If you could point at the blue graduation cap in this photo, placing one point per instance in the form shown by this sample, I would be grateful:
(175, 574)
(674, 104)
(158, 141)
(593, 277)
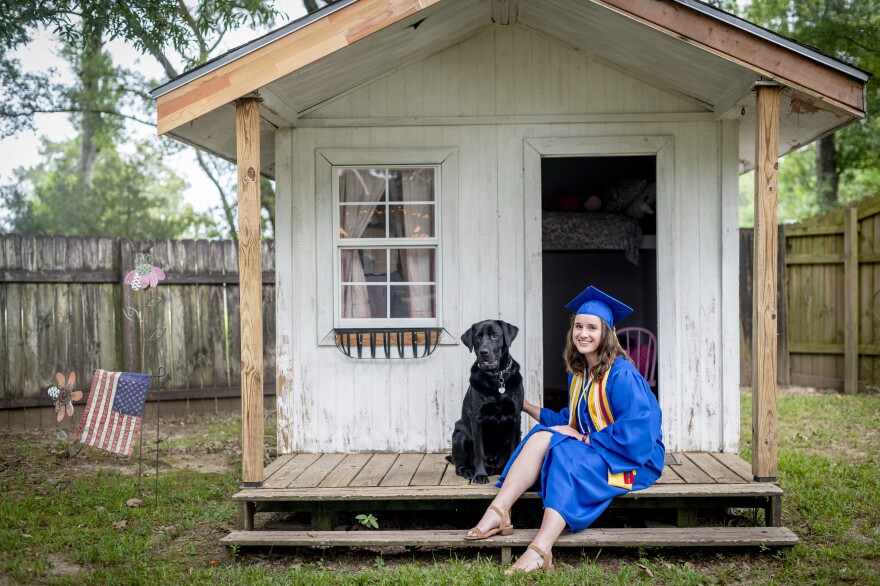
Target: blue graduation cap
(591, 301)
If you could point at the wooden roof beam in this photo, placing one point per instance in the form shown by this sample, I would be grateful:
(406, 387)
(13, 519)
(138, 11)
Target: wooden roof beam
(762, 56)
(279, 58)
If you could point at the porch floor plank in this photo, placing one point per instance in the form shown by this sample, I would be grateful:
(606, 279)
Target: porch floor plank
(430, 471)
(718, 471)
(343, 474)
(276, 465)
(450, 478)
(689, 471)
(288, 473)
(739, 466)
(650, 537)
(317, 471)
(403, 470)
(669, 476)
(374, 471)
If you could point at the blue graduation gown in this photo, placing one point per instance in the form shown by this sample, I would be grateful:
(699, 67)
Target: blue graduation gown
(574, 477)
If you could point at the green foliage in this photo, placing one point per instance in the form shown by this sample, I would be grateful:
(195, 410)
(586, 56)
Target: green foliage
(134, 196)
(848, 30)
(368, 521)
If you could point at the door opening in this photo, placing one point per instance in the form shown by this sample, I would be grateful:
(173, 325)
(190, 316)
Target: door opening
(599, 227)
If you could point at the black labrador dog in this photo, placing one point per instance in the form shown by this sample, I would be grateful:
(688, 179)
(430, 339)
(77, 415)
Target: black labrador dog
(489, 428)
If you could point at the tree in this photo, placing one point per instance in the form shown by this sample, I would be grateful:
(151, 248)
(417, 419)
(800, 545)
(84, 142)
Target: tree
(134, 196)
(848, 30)
(169, 30)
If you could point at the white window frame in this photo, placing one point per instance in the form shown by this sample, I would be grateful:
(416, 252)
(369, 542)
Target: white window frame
(328, 163)
(386, 244)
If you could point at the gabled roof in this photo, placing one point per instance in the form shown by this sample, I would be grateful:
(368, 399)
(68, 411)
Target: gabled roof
(683, 46)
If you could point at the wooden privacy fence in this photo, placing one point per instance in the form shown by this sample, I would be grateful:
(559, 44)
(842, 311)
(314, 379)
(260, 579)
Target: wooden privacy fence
(828, 306)
(61, 309)
(833, 265)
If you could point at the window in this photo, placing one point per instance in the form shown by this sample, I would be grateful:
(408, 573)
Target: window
(386, 246)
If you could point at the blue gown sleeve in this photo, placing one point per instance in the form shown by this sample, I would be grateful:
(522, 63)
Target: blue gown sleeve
(628, 443)
(549, 418)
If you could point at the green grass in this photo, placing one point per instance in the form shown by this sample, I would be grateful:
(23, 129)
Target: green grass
(67, 522)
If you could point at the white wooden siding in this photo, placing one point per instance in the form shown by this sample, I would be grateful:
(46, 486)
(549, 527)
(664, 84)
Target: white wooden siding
(328, 402)
(504, 71)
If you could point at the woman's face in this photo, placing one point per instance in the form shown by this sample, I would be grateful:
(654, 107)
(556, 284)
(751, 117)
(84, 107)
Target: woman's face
(586, 333)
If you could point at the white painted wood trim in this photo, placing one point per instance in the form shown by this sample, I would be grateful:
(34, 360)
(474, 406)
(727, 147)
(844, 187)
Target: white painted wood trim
(325, 159)
(663, 148)
(651, 117)
(284, 333)
(728, 177)
(728, 106)
(279, 112)
(534, 307)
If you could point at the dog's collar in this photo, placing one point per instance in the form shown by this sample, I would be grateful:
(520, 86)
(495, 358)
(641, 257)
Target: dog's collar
(500, 374)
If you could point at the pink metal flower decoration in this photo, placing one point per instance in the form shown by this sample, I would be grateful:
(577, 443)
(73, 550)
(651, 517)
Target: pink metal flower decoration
(144, 275)
(64, 395)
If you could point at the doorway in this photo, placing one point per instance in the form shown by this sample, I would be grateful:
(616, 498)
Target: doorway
(598, 227)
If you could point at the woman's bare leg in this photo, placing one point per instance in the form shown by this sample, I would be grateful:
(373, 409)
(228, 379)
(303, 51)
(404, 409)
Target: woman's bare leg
(522, 475)
(551, 527)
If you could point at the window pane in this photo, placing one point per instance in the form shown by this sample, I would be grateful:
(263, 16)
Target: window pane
(361, 185)
(413, 301)
(364, 265)
(364, 301)
(411, 184)
(412, 265)
(362, 221)
(412, 221)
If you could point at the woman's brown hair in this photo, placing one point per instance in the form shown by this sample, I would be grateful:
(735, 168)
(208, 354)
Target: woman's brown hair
(609, 350)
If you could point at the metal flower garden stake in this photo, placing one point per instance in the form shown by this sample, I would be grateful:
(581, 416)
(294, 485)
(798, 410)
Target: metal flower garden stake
(142, 278)
(63, 394)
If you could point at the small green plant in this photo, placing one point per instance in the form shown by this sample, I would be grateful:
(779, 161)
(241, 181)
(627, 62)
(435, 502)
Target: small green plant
(368, 521)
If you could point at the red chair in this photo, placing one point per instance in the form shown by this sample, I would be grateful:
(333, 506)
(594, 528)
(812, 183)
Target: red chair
(641, 345)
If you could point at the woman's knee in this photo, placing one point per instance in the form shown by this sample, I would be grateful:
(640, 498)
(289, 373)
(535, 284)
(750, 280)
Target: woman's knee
(540, 439)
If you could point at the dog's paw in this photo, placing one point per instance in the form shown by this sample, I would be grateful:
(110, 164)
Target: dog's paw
(465, 473)
(481, 479)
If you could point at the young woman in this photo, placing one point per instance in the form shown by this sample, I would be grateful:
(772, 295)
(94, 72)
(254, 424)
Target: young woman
(606, 443)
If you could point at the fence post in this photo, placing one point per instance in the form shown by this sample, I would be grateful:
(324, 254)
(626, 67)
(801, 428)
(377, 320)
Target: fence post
(850, 300)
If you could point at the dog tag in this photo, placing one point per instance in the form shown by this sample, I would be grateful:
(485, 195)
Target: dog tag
(501, 388)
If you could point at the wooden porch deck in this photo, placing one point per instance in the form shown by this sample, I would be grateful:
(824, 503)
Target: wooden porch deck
(325, 485)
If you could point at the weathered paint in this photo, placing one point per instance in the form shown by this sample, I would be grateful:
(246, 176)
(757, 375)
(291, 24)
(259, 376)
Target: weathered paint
(333, 403)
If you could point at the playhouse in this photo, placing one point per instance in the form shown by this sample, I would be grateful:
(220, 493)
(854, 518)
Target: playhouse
(440, 162)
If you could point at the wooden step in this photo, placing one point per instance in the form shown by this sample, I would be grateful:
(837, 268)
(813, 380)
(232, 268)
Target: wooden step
(488, 491)
(656, 537)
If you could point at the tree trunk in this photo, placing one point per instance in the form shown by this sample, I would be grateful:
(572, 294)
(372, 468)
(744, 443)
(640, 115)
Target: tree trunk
(91, 121)
(827, 176)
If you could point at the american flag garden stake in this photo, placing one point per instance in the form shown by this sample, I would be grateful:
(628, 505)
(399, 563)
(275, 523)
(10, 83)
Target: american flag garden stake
(114, 411)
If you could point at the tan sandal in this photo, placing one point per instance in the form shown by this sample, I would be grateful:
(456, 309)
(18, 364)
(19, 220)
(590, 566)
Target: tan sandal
(504, 527)
(546, 561)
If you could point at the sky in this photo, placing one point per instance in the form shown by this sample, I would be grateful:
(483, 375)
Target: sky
(22, 150)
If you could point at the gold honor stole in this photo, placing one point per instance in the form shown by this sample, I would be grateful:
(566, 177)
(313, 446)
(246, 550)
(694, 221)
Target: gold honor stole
(600, 414)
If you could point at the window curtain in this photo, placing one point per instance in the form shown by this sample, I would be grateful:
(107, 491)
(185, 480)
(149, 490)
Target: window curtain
(418, 223)
(356, 185)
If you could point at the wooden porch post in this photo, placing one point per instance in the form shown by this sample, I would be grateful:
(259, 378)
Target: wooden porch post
(764, 318)
(250, 277)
